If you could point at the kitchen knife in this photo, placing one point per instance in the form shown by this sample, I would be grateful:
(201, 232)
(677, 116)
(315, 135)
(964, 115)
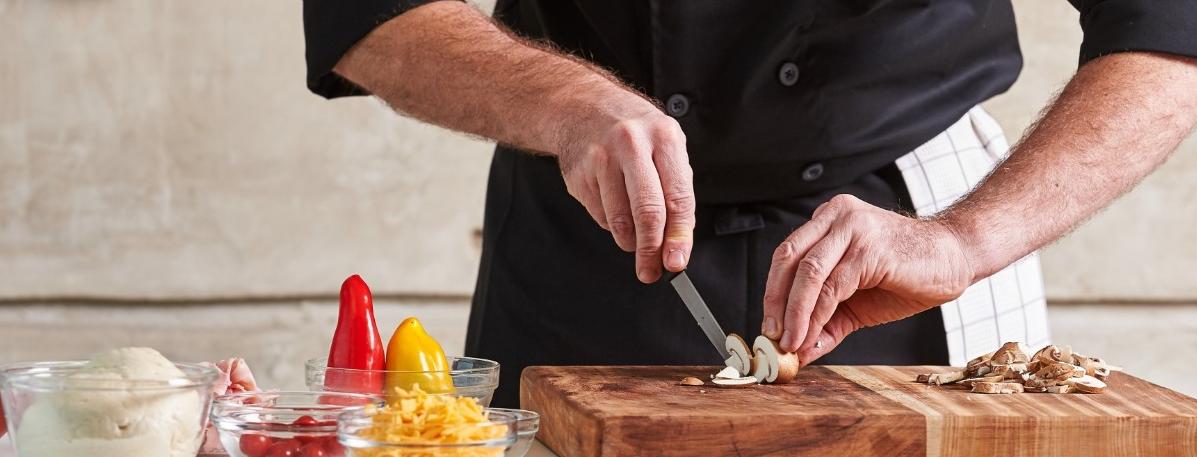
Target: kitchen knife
(698, 308)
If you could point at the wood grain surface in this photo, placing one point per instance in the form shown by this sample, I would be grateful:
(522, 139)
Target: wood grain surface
(846, 410)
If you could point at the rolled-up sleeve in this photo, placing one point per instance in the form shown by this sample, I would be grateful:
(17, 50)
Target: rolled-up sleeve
(1111, 26)
(332, 27)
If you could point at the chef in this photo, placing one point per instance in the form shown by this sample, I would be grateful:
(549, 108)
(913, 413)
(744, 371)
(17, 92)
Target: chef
(821, 169)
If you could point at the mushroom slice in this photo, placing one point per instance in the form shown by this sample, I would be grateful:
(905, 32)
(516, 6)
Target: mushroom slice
(741, 355)
(997, 388)
(1055, 370)
(1060, 389)
(990, 379)
(773, 364)
(746, 381)
(727, 373)
(1048, 354)
(1088, 384)
(940, 379)
(1009, 353)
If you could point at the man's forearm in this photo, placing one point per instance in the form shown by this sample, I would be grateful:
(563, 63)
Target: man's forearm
(1118, 119)
(622, 158)
(448, 64)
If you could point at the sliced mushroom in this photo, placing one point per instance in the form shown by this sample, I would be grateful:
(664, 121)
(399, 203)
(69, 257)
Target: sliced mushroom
(1088, 384)
(990, 379)
(741, 355)
(727, 373)
(772, 364)
(997, 388)
(1049, 353)
(746, 381)
(940, 379)
(1051, 369)
(1060, 389)
(1009, 353)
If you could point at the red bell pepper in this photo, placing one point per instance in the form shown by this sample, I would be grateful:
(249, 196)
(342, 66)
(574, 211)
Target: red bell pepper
(356, 343)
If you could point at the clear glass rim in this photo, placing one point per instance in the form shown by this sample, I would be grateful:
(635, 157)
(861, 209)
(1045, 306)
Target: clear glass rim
(227, 411)
(321, 363)
(359, 418)
(520, 414)
(38, 376)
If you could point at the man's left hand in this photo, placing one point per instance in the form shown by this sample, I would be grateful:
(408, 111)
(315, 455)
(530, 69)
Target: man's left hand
(855, 265)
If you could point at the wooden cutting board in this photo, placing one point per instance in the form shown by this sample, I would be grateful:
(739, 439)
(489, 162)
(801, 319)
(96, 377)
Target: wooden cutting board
(846, 411)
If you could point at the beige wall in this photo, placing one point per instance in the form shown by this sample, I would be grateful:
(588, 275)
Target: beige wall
(169, 150)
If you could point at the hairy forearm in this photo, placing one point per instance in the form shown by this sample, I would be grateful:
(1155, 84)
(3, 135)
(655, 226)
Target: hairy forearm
(447, 64)
(1118, 119)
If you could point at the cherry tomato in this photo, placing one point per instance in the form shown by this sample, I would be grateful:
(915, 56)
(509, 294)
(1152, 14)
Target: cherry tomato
(285, 448)
(305, 439)
(332, 448)
(306, 420)
(314, 449)
(253, 445)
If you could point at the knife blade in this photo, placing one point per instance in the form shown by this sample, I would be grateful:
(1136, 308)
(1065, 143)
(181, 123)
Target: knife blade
(701, 312)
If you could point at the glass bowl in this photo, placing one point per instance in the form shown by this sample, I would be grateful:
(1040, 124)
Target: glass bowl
(258, 424)
(472, 377)
(527, 423)
(351, 424)
(56, 408)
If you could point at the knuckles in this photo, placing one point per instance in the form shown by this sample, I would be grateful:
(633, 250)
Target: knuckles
(649, 214)
(810, 268)
(681, 204)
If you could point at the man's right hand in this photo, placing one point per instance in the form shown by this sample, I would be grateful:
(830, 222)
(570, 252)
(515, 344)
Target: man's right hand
(633, 175)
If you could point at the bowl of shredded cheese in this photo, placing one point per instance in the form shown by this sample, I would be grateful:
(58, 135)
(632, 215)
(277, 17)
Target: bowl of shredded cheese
(414, 423)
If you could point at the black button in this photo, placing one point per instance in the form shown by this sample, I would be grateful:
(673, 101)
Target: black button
(788, 74)
(677, 105)
(812, 172)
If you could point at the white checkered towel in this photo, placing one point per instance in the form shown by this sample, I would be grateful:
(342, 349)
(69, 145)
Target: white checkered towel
(1008, 306)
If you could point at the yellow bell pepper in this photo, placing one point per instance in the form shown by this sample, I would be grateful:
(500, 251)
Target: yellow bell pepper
(415, 358)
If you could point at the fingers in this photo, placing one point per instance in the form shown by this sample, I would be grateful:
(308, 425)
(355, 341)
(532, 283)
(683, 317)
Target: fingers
(673, 166)
(841, 284)
(785, 265)
(616, 209)
(648, 214)
(813, 270)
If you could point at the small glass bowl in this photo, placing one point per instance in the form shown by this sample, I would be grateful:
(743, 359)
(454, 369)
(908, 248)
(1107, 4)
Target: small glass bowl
(472, 377)
(351, 424)
(257, 424)
(527, 423)
(55, 408)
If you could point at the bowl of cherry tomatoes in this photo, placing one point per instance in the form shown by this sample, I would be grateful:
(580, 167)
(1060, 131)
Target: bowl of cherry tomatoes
(284, 424)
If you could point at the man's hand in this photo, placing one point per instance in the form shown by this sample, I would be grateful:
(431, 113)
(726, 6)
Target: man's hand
(853, 266)
(633, 176)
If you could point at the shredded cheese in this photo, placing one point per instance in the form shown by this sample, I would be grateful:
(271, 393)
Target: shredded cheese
(415, 418)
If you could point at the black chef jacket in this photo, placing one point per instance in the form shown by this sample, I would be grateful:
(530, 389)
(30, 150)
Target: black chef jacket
(784, 103)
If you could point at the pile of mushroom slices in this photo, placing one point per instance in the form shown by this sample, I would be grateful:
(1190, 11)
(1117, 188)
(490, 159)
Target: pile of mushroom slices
(1008, 370)
(764, 363)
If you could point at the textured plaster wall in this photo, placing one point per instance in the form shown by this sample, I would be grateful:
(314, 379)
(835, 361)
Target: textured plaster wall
(168, 150)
